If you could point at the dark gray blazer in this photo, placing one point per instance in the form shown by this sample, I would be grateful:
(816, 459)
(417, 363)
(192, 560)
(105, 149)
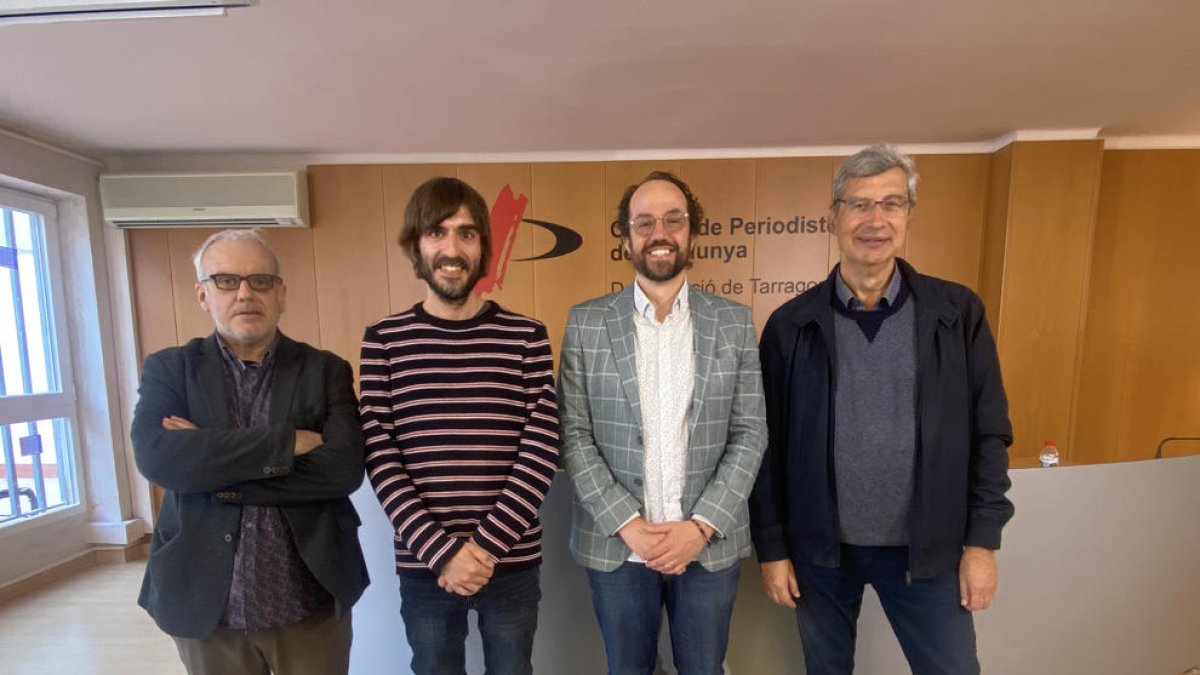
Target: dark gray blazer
(210, 472)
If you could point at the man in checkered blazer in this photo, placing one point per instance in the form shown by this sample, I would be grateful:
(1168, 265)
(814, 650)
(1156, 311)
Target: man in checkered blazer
(663, 428)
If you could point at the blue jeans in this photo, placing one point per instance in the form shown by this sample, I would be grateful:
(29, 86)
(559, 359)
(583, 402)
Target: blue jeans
(629, 602)
(936, 633)
(435, 622)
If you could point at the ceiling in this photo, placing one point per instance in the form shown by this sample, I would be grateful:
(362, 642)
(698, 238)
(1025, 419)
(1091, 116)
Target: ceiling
(530, 76)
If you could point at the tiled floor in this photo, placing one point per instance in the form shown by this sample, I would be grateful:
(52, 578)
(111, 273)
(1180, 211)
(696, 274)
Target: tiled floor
(88, 624)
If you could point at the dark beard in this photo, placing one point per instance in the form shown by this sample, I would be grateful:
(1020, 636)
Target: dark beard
(659, 272)
(451, 294)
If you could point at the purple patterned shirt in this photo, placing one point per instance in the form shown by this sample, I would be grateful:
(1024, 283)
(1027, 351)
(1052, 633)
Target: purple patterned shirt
(271, 586)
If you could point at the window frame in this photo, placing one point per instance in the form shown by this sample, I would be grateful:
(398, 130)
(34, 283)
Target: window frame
(16, 409)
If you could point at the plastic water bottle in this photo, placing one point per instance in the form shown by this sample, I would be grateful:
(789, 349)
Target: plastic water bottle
(1049, 456)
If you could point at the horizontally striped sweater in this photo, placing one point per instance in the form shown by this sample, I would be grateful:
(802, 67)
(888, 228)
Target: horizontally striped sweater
(461, 424)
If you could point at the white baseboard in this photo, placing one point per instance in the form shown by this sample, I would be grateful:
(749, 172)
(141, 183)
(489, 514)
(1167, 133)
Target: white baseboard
(117, 532)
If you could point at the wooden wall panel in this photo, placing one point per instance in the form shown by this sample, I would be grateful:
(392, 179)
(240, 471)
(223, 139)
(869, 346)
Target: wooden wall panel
(350, 255)
(347, 236)
(995, 235)
(153, 290)
(1050, 225)
(1163, 385)
(571, 195)
(1179, 447)
(190, 320)
(517, 292)
(294, 246)
(946, 233)
(1108, 334)
(1107, 384)
(399, 181)
(787, 189)
(723, 262)
(835, 255)
(1139, 375)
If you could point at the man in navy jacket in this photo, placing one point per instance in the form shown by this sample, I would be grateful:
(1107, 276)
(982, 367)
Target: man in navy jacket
(888, 431)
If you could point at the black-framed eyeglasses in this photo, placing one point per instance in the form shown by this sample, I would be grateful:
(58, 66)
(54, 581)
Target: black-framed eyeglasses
(673, 221)
(232, 282)
(861, 206)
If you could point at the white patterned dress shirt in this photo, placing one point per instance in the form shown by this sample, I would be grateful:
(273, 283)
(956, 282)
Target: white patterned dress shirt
(665, 372)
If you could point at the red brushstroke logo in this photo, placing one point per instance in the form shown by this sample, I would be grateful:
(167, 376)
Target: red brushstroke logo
(506, 216)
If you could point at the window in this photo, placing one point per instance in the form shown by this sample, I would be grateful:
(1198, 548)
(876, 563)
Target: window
(37, 397)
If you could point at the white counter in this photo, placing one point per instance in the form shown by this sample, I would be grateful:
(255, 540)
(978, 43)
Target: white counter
(1099, 575)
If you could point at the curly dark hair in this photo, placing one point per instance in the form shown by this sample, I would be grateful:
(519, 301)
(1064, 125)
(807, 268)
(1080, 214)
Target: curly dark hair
(436, 200)
(694, 210)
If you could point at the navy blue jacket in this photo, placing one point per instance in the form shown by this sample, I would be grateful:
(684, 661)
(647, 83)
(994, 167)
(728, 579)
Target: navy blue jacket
(210, 472)
(962, 428)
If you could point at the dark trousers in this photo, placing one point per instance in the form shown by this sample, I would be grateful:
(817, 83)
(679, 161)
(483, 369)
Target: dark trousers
(435, 623)
(629, 602)
(318, 644)
(935, 632)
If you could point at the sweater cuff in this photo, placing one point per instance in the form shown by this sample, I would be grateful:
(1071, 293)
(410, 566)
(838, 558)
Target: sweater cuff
(769, 545)
(438, 561)
(983, 536)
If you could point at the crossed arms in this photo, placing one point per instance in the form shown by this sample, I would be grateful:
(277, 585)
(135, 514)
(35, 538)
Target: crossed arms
(278, 464)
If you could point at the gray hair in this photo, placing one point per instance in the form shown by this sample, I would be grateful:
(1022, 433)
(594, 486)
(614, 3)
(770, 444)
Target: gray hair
(254, 235)
(873, 161)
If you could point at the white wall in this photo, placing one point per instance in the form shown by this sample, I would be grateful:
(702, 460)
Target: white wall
(1099, 575)
(107, 513)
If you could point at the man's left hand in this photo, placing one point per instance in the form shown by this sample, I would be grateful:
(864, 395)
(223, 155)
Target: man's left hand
(977, 577)
(680, 545)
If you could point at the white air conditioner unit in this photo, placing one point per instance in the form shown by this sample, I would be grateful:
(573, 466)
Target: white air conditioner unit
(266, 199)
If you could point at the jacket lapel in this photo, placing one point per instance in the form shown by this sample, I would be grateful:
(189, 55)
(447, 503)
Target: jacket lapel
(819, 310)
(704, 343)
(930, 309)
(283, 384)
(618, 320)
(210, 374)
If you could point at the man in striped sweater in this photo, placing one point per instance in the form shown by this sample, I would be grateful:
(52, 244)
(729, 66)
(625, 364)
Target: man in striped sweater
(459, 412)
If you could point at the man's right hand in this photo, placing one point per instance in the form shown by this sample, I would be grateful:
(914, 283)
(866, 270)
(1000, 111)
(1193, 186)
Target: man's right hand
(636, 537)
(779, 580)
(307, 440)
(177, 423)
(468, 571)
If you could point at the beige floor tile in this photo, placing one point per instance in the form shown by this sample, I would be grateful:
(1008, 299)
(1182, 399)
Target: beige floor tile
(88, 624)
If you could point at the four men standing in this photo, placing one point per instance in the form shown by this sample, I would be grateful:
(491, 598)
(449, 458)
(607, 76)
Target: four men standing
(663, 431)
(885, 457)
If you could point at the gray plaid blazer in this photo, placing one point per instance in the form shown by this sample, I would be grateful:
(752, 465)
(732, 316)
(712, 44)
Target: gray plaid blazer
(602, 426)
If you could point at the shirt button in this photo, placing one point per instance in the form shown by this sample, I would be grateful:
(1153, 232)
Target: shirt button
(637, 481)
(228, 537)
